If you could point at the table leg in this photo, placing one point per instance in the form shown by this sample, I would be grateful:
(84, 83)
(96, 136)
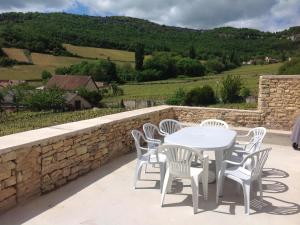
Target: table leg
(219, 159)
(219, 155)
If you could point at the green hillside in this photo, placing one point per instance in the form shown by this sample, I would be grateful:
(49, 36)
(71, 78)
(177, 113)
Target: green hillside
(46, 32)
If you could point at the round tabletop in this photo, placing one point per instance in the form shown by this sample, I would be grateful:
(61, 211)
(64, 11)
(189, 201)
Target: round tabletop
(203, 138)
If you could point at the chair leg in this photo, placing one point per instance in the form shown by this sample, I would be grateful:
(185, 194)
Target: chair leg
(260, 189)
(204, 179)
(165, 186)
(246, 190)
(162, 175)
(195, 190)
(137, 174)
(170, 182)
(220, 182)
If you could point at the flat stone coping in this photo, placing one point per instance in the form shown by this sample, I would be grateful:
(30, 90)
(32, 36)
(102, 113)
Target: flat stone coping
(281, 76)
(32, 137)
(254, 111)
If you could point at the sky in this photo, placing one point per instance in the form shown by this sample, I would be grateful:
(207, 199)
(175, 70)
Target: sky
(267, 15)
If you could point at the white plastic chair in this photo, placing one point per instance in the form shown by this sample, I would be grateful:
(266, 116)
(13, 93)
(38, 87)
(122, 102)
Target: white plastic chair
(152, 133)
(214, 123)
(243, 174)
(179, 159)
(256, 135)
(169, 126)
(151, 156)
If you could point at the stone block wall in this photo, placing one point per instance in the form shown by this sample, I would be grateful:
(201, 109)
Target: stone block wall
(31, 169)
(279, 100)
(242, 118)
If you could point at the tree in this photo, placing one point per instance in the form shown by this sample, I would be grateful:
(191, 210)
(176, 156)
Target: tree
(46, 75)
(50, 99)
(200, 96)
(192, 52)
(139, 56)
(189, 67)
(178, 98)
(93, 97)
(230, 89)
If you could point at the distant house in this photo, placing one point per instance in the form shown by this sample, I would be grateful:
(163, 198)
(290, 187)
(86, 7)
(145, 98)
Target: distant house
(76, 102)
(10, 83)
(270, 60)
(72, 82)
(101, 84)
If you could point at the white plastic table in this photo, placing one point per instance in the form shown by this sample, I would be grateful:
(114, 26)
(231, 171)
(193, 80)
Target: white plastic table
(204, 139)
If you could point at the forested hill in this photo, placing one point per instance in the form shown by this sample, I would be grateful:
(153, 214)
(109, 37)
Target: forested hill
(45, 32)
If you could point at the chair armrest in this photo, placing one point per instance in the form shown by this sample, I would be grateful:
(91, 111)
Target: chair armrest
(225, 162)
(154, 141)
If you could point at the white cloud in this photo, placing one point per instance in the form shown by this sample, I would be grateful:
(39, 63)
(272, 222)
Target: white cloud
(262, 14)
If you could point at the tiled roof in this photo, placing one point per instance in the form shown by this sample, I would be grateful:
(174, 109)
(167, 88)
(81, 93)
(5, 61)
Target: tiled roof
(68, 82)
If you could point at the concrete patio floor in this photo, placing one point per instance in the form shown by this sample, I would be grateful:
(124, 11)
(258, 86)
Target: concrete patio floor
(106, 196)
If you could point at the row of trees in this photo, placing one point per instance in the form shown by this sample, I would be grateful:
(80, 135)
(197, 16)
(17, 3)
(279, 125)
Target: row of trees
(231, 90)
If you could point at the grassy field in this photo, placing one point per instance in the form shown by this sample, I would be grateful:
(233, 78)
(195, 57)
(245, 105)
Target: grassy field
(160, 90)
(41, 62)
(101, 53)
(23, 121)
(118, 56)
(17, 54)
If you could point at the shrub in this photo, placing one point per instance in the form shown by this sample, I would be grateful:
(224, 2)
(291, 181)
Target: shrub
(291, 67)
(148, 75)
(7, 62)
(126, 73)
(46, 75)
(178, 98)
(230, 89)
(101, 70)
(162, 62)
(190, 67)
(93, 97)
(51, 99)
(245, 92)
(214, 66)
(200, 96)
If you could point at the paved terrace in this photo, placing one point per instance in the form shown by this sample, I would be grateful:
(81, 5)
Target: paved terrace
(105, 196)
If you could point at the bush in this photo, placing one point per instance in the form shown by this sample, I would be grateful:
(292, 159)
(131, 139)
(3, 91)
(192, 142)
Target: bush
(190, 67)
(200, 96)
(178, 98)
(126, 73)
(93, 97)
(291, 67)
(214, 66)
(230, 89)
(51, 99)
(245, 92)
(7, 62)
(46, 75)
(148, 75)
(162, 62)
(101, 70)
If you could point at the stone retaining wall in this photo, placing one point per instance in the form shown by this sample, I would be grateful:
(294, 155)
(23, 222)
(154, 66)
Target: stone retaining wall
(30, 169)
(279, 100)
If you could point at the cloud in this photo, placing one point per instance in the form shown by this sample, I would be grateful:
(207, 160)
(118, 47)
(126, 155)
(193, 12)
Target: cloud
(261, 14)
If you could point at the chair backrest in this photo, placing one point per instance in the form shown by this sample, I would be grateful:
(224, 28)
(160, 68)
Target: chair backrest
(257, 136)
(150, 131)
(257, 161)
(169, 126)
(214, 123)
(138, 138)
(179, 159)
